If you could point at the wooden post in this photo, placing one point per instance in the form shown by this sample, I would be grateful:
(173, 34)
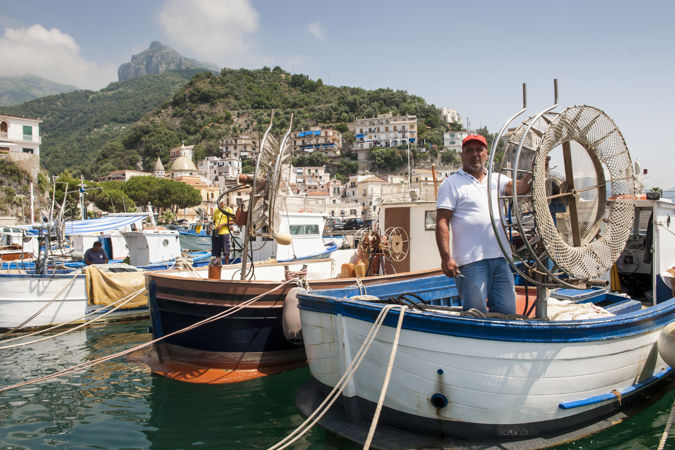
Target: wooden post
(433, 174)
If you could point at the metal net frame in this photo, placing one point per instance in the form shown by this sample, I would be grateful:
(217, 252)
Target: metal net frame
(586, 234)
(599, 226)
(270, 184)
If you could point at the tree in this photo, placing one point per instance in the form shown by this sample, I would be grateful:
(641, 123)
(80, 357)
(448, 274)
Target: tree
(111, 199)
(345, 168)
(387, 158)
(450, 157)
(162, 193)
(247, 166)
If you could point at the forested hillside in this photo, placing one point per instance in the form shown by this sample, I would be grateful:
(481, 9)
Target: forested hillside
(76, 125)
(211, 107)
(130, 124)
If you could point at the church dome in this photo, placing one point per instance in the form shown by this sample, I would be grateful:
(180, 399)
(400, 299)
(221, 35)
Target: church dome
(182, 164)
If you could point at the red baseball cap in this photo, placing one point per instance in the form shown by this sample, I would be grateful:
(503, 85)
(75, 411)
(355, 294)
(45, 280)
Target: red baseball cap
(476, 138)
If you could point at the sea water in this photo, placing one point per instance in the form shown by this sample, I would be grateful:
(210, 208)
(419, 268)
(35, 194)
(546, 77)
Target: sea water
(119, 404)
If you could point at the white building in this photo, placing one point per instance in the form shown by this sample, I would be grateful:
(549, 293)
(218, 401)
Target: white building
(219, 171)
(310, 178)
(19, 134)
(20, 142)
(383, 131)
(452, 140)
(450, 115)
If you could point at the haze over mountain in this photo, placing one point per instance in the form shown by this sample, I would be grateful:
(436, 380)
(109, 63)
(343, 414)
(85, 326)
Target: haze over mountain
(157, 59)
(19, 89)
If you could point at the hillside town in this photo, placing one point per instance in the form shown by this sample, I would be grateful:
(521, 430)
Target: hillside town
(311, 188)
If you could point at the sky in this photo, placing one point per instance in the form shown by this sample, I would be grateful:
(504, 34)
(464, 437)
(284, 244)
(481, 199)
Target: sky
(471, 56)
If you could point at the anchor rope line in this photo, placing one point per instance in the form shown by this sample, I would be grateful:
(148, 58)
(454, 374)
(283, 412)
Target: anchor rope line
(665, 228)
(92, 363)
(41, 310)
(340, 386)
(669, 422)
(116, 305)
(387, 377)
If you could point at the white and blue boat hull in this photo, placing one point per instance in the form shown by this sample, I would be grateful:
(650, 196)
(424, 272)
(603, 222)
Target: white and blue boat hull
(476, 378)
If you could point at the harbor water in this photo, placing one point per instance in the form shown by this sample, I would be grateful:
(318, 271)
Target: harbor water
(119, 404)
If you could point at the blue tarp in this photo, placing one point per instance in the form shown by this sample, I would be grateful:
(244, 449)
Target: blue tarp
(99, 224)
(309, 133)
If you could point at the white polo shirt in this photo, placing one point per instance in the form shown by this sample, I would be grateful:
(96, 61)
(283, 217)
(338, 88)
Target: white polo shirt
(473, 238)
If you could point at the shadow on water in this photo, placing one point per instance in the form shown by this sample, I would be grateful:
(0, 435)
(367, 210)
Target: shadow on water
(253, 414)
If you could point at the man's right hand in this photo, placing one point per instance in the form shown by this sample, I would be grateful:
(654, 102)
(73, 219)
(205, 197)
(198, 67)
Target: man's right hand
(450, 267)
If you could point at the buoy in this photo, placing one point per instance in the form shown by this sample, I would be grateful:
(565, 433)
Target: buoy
(360, 268)
(290, 320)
(347, 270)
(283, 239)
(666, 344)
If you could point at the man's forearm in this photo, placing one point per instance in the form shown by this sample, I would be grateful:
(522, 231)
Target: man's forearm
(443, 239)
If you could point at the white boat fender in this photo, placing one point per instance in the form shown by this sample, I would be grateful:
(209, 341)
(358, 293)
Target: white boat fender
(666, 344)
(290, 321)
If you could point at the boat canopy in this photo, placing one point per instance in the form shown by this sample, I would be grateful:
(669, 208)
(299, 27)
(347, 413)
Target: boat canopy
(99, 224)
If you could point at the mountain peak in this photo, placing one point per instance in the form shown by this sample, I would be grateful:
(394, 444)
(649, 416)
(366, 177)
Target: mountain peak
(157, 59)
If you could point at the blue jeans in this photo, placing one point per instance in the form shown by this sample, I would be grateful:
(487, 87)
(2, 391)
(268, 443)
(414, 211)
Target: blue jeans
(489, 279)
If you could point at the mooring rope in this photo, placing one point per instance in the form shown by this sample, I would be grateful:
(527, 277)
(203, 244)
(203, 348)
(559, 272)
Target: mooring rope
(123, 300)
(669, 422)
(41, 310)
(92, 363)
(334, 394)
(387, 376)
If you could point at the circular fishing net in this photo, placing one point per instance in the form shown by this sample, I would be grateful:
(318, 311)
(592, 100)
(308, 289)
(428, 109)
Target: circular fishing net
(584, 218)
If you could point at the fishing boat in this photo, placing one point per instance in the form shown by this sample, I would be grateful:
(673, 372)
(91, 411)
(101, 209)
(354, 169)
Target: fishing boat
(263, 337)
(305, 228)
(464, 378)
(48, 291)
(196, 237)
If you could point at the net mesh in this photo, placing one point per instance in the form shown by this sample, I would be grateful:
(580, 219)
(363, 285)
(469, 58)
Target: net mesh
(594, 205)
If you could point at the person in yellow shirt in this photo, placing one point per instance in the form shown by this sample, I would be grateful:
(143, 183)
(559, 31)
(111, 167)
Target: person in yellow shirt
(220, 238)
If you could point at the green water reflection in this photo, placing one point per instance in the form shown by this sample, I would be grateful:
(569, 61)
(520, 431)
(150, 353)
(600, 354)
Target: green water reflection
(119, 404)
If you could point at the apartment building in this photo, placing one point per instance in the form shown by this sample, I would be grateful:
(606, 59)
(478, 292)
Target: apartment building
(326, 141)
(219, 171)
(384, 130)
(310, 179)
(240, 147)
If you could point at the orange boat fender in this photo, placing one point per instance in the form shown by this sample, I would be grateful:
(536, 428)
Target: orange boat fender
(290, 321)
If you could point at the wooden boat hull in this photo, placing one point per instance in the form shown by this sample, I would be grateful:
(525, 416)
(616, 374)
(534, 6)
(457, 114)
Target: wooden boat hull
(250, 339)
(489, 377)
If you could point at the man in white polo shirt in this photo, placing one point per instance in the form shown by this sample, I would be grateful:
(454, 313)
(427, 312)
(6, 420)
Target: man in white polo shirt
(476, 261)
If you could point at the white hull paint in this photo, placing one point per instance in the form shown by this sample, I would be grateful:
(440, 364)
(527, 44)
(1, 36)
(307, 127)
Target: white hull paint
(486, 382)
(24, 295)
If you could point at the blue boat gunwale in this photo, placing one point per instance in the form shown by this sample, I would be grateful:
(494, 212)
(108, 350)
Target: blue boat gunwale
(589, 330)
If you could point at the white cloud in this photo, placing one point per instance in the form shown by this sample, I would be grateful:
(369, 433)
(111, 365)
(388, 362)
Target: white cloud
(50, 54)
(218, 31)
(316, 30)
